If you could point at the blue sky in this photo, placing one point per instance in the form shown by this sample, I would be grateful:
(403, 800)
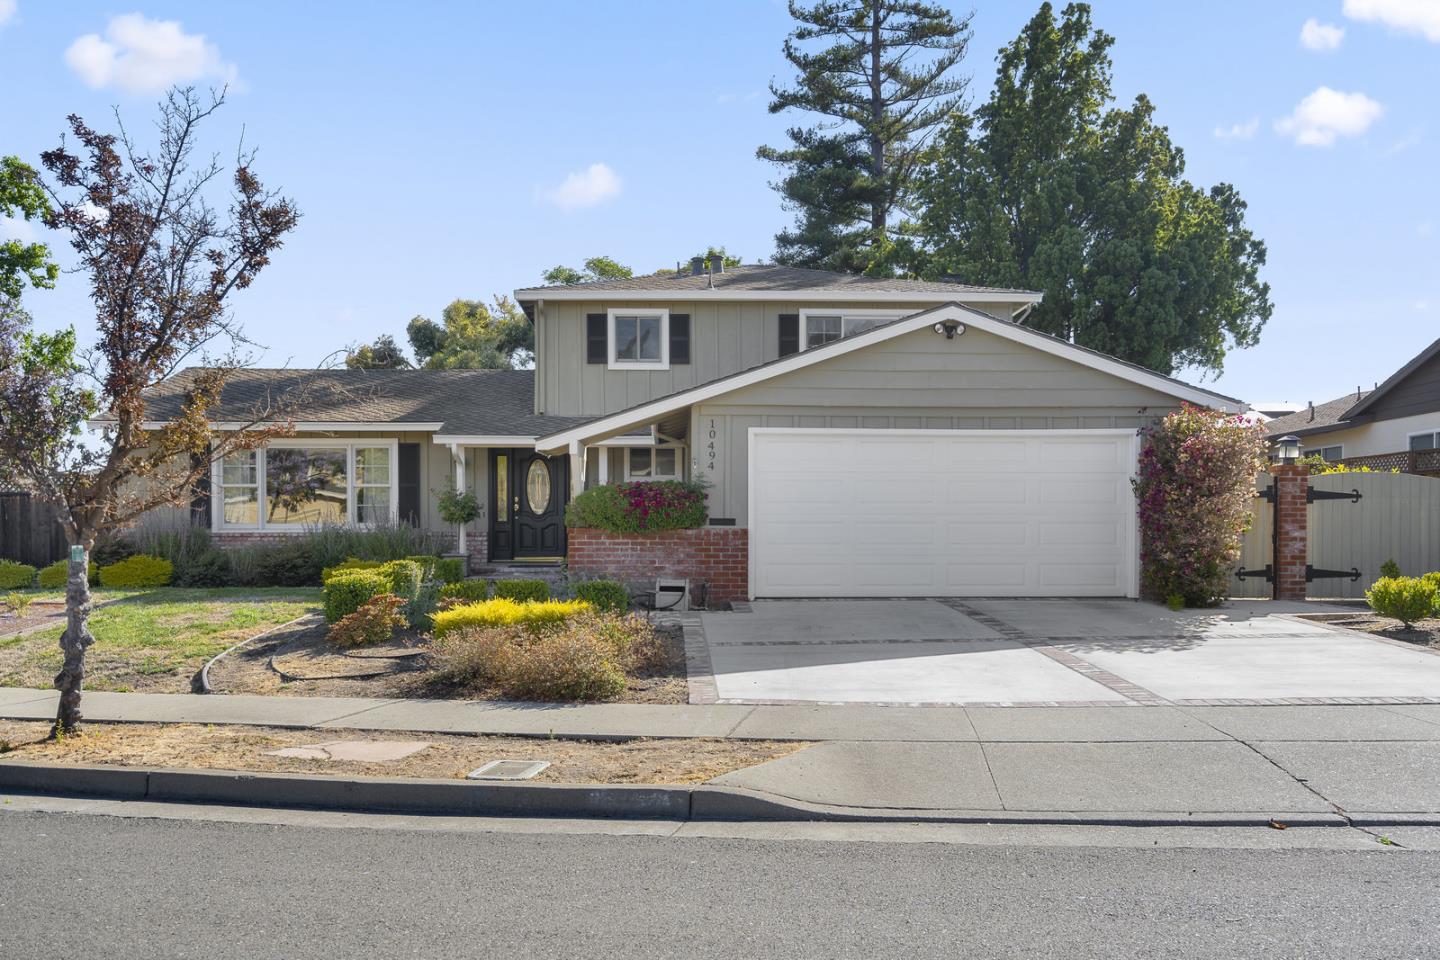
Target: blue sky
(458, 150)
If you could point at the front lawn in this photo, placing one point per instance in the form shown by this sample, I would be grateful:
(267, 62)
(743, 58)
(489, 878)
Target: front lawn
(155, 641)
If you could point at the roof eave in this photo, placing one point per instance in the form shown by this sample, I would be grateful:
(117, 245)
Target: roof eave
(1424, 356)
(788, 296)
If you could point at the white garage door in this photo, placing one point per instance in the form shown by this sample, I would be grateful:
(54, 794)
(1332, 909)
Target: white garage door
(925, 513)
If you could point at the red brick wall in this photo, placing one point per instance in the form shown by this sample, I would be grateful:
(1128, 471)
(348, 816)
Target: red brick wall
(719, 555)
(1292, 538)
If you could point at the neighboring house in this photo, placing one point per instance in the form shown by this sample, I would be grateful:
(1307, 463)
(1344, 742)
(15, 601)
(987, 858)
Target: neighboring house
(1394, 426)
(859, 436)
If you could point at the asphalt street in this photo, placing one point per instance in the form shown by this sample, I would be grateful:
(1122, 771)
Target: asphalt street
(87, 886)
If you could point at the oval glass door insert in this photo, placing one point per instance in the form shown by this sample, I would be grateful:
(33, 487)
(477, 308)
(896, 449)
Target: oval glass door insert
(537, 486)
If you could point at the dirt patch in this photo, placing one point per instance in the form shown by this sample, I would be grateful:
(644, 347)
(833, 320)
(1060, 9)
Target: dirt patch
(1425, 633)
(450, 756)
(251, 670)
(40, 614)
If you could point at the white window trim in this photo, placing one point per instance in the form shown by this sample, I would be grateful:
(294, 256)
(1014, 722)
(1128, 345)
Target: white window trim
(679, 449)
(844, 314)
(1432, 432)
(1330, 446)
(217, 487)
(663, 363)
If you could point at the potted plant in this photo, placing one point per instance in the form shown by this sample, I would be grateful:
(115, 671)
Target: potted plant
(460, 508)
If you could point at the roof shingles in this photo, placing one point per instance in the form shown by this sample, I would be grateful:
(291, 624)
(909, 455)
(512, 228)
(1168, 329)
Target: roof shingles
(765, 277)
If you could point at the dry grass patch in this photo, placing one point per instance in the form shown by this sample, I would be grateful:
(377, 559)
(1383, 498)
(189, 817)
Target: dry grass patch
(451, 756)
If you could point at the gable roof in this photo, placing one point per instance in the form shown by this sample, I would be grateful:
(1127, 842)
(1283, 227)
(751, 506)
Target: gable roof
(1322, 418)
(1395, 379)
(764, 281)
(662, 406)
(462, 403)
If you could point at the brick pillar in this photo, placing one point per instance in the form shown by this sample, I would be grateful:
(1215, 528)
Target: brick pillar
(1292, 539)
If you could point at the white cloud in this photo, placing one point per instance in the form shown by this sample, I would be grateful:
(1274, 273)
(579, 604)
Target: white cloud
(1315, 35)
(7, 11)
(1327, 115)
(585, 188)
(1239, 131)
(1411, 16)
(17, 228)
(139, 55)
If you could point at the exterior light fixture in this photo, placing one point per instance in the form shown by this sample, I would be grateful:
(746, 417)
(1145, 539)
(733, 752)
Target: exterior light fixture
(950, 328)
(1287, 449)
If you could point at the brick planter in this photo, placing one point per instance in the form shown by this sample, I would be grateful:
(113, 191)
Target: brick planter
(718, 555)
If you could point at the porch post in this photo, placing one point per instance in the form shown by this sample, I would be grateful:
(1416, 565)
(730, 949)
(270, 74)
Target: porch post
(457, 454)
(577, 469)
(604, 454)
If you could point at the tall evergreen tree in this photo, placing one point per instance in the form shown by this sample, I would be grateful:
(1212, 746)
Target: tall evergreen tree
(1049, 188)
(881, 80)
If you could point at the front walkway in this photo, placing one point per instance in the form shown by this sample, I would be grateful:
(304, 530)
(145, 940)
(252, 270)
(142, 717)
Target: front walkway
(1046, 653)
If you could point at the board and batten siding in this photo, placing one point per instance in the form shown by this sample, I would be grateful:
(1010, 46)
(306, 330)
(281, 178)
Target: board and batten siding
(725, 338)
(978, 381)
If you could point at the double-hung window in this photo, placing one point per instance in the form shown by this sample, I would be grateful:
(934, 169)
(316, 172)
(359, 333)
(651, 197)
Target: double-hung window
(296, 484)
(822, 327)
(1331, 454)
(1425, 441)
(654, 463)
(639, 339)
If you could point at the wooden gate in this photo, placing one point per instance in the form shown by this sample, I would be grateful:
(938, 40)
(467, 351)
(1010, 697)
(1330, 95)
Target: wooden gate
(1398, 517)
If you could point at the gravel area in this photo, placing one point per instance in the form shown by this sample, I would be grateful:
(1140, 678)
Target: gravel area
(448, 756)
(1425, 633)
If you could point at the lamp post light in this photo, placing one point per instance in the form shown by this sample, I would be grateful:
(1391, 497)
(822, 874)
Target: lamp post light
(1287, 449)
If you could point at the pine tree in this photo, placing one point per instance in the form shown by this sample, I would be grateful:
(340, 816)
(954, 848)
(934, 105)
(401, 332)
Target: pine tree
(882, 81)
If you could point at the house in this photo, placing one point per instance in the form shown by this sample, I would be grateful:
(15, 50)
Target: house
(1394, 426)
(859, 436)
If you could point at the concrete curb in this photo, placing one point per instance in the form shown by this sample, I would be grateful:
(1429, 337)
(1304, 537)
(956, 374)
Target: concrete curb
(578, 801)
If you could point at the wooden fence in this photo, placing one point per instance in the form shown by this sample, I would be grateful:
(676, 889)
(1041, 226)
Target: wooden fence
(29, 531)
(1398, 517)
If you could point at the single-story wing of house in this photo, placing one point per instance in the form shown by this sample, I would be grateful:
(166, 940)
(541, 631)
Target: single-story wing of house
(857, 436)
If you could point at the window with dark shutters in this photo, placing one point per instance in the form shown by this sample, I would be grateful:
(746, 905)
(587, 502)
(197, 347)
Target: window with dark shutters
(597, 348)
(789, 334)
(679, 338)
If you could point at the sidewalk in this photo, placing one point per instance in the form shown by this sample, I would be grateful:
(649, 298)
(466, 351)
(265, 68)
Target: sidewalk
(1320, 764)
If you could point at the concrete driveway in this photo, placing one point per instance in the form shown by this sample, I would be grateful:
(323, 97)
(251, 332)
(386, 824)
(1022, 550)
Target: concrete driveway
(1034, 652)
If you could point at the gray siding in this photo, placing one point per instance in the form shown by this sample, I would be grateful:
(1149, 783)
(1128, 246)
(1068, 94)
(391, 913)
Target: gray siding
(1417, 393)
(977, 382)
(725, 338)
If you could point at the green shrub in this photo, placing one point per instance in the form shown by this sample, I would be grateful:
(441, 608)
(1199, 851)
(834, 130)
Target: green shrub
(470, 591)
(404, 577)
(294, 563)
(332, 544)
(137, 572)
(55, 576)
(374, 622)
(111, 549)
(1390, 569)
(1434, 580)
(419, 611)
(503, 612)
(347, 592)
(606, 596)
(449, 569)
(210, 568)
(639, 507)
(349, 565)
(1406, 599)
(16, 576)
(522, 590)
(18, 603)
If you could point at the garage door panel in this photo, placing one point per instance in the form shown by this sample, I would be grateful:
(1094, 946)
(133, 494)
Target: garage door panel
(932, 513)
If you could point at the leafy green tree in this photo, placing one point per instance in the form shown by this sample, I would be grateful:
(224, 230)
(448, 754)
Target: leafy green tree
(1049, 188)
(881, 86)
(474, 336)
(596, 268)
(383, 354)
(23, 197)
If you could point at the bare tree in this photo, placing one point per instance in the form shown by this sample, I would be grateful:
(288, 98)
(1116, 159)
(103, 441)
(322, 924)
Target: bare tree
(162, 264)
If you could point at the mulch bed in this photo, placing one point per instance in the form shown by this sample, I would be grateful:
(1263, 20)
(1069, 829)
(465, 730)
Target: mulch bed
(448, 756)
(300, 662)
(40, 615)
(1425, 633)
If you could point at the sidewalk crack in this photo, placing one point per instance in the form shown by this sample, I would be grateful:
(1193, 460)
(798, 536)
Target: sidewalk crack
(1335, 808)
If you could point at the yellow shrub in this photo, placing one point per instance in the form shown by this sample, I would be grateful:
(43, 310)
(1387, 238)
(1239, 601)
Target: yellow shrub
(502, 612)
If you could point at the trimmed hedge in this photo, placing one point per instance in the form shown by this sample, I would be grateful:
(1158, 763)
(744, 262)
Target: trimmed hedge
(639, 507)
(607, 596)
(522, 590)
(347, 592)
(470, 590)
(136, 572)
(449, 569)
(503, 612)
(55, 576)
(349, 565)
(16, 576)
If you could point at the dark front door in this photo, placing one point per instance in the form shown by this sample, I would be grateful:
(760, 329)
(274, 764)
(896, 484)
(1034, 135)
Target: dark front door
(527, 517)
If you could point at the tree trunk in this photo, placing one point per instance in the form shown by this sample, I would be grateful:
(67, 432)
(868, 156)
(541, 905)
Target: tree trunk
(879, 206)
(73, 643)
